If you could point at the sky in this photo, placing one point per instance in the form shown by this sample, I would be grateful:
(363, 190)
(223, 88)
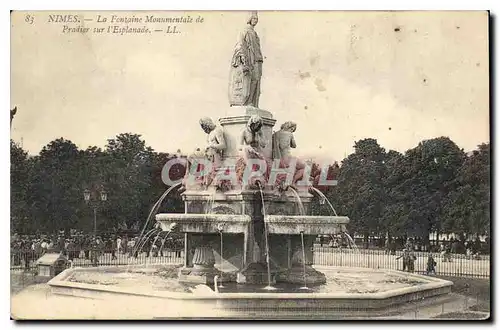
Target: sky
(398, 77)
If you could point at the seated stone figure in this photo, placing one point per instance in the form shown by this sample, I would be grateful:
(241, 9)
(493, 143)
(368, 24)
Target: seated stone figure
(214, 151)
(216, 143)
(283, 142)
(252, 144)
(194, 165)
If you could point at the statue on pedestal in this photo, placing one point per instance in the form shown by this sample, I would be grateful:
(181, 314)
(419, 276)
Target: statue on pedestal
(283, 142)
(252, 144)
(252, 139)
(216, 145)
(246, 67)
(194, 162)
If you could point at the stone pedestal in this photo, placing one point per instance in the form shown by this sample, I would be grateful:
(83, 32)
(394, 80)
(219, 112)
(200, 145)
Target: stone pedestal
(256, 273)
(235, 122)
(203, 270)
(302, 271)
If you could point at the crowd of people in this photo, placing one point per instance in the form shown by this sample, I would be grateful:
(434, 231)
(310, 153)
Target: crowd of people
(471, 248)
(28, 248)
(445, 249)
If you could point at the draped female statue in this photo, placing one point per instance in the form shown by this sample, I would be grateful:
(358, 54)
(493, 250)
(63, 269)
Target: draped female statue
(246, 67)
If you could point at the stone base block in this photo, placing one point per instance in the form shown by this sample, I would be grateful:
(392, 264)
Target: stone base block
(256, 273)
(192, 275)
(296, 276)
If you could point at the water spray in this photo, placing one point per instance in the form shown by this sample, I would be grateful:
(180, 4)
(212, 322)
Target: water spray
(220, 228)
(269, 287)
(303, 261)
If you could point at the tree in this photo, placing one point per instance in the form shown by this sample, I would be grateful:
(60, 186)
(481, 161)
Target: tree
(55, 199)
(429, 169)
(19, 187)
(395, 210)
(360, 190)
(128, 178)
(467, 208)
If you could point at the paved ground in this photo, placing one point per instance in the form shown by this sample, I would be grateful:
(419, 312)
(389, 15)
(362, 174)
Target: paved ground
(36, 301)
(479, 290)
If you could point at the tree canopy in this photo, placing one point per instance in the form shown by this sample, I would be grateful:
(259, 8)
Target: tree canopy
(434, 186)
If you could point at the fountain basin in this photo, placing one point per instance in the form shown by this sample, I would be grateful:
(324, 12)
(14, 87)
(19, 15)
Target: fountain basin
(307, 224)
(204, 223)
(352, 292)
(231, 223)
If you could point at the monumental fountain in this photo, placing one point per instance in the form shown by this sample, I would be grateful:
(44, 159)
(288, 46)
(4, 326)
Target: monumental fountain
(248, 228)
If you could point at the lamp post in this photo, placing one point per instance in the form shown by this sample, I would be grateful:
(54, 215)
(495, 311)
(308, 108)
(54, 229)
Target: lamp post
(87, 196)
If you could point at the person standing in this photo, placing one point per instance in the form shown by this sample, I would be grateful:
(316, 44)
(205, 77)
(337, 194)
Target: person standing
(405, 257)
(118, 245)
(125, 245)
(61, 244)
(37, 248)
(179, 246)
(134, 244)
(431, 265)
(87, 246)
(27, 254)
(154, 249)
(71, 250)
(44, 246)
(114, 248)
(411, 261)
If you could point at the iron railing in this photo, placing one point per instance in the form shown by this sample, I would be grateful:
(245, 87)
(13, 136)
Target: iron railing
(25, 261)
(456, 265)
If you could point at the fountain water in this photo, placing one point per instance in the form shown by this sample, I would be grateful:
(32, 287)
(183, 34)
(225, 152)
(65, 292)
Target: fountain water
(303, 261)
(154, 244)
(145, 240)
(210, 205)
(269, 287)
(164, 240)
(156, 206)
(323, 197)
(351, 242)
(299, 201)
(221, 259)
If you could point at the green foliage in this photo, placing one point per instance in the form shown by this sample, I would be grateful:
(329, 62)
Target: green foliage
(20, 167)
(429, 170)
(360, 190)
(53, 191)
(432, 187)
(47, 190)
(467, 208)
